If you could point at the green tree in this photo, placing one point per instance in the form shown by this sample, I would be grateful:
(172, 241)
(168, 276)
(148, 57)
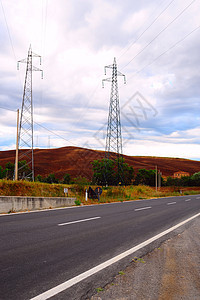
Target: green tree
(66, 178)
(146, 177)
(10, 170)
(172, 181)
(3, 172)
(128, 173)
(23, 169)
(186, 181)
(196, 179)
(39, 178)
(105, 172)
(51, 179)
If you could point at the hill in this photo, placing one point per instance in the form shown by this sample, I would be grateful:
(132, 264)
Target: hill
(77, 162)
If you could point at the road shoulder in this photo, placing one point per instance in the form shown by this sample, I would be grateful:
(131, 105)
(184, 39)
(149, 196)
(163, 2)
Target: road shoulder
(171, 271)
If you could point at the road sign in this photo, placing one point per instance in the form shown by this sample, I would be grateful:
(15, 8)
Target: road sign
(98, 190)
(66, 191)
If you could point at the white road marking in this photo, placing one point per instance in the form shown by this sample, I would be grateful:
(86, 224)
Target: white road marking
(171, 203)
(188, 200)
(147, 207)
(65, 285)
(84, 220)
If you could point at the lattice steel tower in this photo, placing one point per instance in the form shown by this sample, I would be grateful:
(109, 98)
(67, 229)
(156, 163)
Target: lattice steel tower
(113, 148)
(25, 141)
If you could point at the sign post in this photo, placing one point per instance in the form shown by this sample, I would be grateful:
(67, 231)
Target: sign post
(66, 191)
(98, 192)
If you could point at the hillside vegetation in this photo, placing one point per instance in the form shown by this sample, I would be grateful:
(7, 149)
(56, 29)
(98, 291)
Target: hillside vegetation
(78, 162)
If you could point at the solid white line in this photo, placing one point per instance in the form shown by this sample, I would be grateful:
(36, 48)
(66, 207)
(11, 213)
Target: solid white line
(188, 200)
(171, 203)
(73, 222)
(65, 285)
(142, 208)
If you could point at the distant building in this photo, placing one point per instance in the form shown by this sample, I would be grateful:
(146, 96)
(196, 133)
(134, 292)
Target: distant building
(180, 174)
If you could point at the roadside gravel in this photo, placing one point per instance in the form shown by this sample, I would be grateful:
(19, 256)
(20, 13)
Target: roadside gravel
(170, 272)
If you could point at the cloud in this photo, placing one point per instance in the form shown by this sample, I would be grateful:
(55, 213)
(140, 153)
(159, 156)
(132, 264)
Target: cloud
(77, 39)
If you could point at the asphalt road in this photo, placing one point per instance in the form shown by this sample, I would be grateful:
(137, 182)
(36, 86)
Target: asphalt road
(41, 250)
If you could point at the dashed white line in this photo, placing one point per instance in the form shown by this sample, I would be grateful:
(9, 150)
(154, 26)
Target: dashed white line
(170, 203)
(187, 200)
(147, 207)
(67, 284)
(78, 221)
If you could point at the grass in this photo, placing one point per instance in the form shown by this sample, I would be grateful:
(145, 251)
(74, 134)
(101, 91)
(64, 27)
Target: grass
(136, 259)
(99, 289)
(121, 273)
(109, 194)
(31, 189)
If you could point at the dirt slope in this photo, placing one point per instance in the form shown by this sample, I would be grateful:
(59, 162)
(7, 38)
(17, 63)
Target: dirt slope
(77, 162)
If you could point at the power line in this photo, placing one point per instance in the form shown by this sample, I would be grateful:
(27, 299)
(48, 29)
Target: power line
(159, 33)
(133, 43)
(42, 127)
(8, 109)
(173, 46)
(8, 30)
(54, 133)
(94, 91)
(11, 43)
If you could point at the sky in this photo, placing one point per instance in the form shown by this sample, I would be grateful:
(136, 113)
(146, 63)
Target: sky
(156, 45)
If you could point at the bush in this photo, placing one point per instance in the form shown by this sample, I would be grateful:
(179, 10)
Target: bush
(77, 202)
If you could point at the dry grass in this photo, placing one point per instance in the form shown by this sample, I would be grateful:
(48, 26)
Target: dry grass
(109, 194)
(34, 189)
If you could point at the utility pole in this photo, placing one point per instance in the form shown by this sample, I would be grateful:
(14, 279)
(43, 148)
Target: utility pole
(160, 177)
(156, 179)
(113, 150)
(17, 141)
(25, 142)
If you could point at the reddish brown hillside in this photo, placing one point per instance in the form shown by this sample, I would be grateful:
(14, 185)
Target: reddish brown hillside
(77, 162)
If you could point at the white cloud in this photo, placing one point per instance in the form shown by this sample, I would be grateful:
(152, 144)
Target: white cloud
(77, 39)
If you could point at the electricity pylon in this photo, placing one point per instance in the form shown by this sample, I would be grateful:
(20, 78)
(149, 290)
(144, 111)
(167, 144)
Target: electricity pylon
(113, 150)
(25, 135)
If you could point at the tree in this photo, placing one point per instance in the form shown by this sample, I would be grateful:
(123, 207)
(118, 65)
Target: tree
(10, 170)
(196, 179)
(66, 178)
(146, 177)
(186, 181)
(51, 179)
(172, 181)
(23, 169)
(128, 173)
(39, 178)
(2, 172)
(105, 172)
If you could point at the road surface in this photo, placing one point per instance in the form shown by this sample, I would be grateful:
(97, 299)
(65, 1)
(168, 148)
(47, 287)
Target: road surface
(41, 250)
